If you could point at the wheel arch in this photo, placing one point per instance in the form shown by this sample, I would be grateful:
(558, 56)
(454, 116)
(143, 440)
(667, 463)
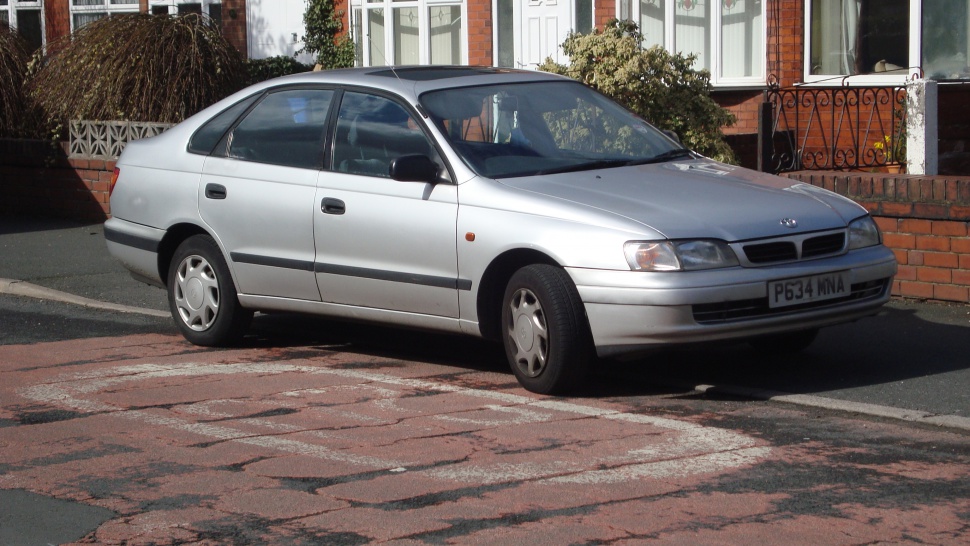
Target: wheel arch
(493, 283)
(174, 236)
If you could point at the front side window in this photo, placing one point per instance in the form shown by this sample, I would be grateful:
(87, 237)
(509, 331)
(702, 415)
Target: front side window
(285, 128)
(726, 36)
(409, 32)
(372, 131)
(542, 128)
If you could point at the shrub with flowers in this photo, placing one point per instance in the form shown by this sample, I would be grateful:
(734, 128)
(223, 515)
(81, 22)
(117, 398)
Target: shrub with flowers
(893, 150)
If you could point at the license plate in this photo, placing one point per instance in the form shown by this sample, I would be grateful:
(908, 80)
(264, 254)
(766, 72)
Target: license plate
(808, 289)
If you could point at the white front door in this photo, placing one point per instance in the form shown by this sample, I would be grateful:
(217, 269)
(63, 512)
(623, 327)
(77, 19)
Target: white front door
(540, 31)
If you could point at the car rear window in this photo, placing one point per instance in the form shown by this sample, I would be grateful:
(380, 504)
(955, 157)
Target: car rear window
(206, 137)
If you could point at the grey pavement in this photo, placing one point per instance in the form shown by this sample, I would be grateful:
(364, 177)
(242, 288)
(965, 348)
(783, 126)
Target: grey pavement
(911, 362)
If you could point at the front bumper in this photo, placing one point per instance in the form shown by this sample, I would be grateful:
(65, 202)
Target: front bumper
(632, 311)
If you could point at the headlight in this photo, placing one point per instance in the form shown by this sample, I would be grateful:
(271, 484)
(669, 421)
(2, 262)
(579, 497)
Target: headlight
(678, 255)
(863, 232)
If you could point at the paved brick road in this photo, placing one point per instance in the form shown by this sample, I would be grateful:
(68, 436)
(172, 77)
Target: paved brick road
(300, 445)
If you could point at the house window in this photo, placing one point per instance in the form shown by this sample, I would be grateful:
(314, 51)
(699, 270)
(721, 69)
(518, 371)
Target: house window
(26, 17)
(727, 36)
(887, 40)
(945, 52)
(212, 8)
(402, 32)
(89, 11)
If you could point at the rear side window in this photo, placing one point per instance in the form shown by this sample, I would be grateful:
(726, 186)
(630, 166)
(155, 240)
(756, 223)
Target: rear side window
(285, 128)
(207, 136)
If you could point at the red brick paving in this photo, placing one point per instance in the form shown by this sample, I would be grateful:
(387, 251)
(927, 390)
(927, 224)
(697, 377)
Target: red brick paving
(194, 446)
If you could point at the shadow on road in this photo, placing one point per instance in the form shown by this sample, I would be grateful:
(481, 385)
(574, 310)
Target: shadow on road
(908, 350)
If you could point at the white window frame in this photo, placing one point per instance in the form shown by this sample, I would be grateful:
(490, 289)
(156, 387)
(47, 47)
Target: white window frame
(105, 7)
(173, 5)
(14, 5)
(630, 10)
(360, 17)
(877, 79)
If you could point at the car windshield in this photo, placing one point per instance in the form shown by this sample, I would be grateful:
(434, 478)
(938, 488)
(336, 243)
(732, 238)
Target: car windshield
(528, 129)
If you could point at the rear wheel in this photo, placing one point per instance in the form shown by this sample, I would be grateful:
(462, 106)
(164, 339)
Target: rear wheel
(202, 296)
(545, 331)
(784, 344)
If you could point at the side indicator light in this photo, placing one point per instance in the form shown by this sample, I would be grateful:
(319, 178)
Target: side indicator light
(470, 237)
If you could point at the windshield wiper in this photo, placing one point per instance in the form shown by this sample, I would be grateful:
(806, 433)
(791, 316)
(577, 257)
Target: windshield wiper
(587, 166)
(666, 156)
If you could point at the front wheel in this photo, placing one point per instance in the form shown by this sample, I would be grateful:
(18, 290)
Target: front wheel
(545, 330)
(202, 296)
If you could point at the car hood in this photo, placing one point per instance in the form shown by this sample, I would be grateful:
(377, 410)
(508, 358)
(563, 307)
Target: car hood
(700, 199)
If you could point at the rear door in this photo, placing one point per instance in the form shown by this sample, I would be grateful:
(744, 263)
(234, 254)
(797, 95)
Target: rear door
(258, 192)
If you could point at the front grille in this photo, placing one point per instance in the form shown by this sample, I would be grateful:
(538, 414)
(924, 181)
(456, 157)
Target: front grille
(792, 248)
(825, 244)
(716, 313)
(766, 253)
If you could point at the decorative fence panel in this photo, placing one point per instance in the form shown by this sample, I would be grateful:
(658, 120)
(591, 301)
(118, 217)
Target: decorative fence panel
(833, 128)
(106, 139)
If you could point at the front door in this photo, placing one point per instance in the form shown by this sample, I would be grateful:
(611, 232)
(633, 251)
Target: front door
(383, 243)
(540, 31)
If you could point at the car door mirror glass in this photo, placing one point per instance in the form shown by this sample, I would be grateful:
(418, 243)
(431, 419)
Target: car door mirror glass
(414, 168)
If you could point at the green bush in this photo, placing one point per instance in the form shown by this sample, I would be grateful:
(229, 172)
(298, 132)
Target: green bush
(273, 67)
(323, 39)
(660, 86)
(13, 69)
(138, 67)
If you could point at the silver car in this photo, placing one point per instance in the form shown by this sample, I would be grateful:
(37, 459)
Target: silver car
(512, 205)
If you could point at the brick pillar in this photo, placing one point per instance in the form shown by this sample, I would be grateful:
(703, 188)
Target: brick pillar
(234, 25)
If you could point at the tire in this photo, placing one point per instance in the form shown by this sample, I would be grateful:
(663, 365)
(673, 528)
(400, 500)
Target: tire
(784, 344)
(545, 330)
(202, 296)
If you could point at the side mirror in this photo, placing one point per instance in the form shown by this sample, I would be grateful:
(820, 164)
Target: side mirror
(414, 168)
(671, 135)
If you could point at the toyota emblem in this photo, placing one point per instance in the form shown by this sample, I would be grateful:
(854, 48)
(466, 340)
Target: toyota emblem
(789, 223)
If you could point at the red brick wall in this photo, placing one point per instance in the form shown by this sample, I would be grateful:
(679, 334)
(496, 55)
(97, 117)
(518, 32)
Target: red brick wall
(925, 221)
(234, 24)
(480, 32)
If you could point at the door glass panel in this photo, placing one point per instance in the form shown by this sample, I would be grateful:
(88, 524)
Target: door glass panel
(286, 128)
(372, 131)
(653, 20)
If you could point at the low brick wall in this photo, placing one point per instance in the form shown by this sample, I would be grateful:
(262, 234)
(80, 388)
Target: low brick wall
(924, 220)
(36, 177)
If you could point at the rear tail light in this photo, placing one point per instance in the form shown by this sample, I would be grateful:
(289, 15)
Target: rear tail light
(114, 180)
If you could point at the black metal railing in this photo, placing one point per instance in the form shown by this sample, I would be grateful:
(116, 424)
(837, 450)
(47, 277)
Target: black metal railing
(832, 128)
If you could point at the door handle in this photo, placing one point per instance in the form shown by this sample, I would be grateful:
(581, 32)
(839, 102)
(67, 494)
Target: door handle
(333, 206)
(215, 191)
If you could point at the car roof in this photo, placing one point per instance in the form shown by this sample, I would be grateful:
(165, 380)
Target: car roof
(415, 80)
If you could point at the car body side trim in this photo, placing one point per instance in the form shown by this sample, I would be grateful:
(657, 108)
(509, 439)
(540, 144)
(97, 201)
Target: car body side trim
(285, 263)
(128, 239)
(394, 276)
